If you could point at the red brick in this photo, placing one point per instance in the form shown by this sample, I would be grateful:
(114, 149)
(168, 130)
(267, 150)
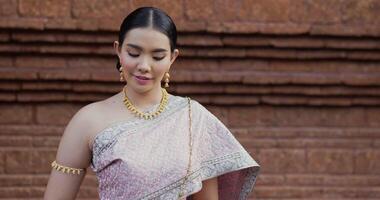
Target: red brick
(4, 97)
(226, 10)
(199, 40)
(64, 75)
(15, 180)
(191, 26)
(45, 141)
(2, 162)
(35, 130)
(323, 143)
(265, 10)
(345, 30)
(103, 76)
(18, 161)
(316, 11)
(199, 10)
(288, 192)
(41, 160)
(195, 64)
(259, 143)
(57, 114)
(331, 180)
(376, 143)
(367, 161)
(299, 42)
(352, 44)
(47, 8)
(271, 53)
(270, 179)
(6, 61)
(40, 96)
(86, 97)
(41, 37)
(360, 55)
(231, 40)
(8, 8)
(21, 141)
(62, 23)
(100, 9)
(284, 28)
(38, 86)
(13, 113)
(92, 63)
(22, 192)
(173, 8)
(38, 62)
(360, 12)
(282, 160)
(18, 75)
(103, 24)
(98, 87)
(330, 161)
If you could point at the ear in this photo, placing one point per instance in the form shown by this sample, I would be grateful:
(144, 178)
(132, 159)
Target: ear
(174, 55)
(116, 48)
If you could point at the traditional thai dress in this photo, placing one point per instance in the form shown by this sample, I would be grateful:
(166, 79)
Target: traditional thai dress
(148, 159)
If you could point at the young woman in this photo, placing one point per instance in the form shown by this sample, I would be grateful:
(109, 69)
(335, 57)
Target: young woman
(144, 143)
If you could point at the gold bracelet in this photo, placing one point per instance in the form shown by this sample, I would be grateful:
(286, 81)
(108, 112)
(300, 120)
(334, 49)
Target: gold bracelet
(65, 169)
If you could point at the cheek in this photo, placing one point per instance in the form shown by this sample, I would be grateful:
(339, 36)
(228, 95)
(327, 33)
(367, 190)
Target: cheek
(127, 64)
(162, 67)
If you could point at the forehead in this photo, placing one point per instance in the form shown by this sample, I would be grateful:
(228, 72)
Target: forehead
(147, 38)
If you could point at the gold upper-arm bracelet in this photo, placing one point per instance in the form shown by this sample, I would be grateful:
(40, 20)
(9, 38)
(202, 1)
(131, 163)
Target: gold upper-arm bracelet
(65, 169)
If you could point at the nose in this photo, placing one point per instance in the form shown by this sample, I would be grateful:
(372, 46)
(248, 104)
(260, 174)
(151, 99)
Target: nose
(144, 65)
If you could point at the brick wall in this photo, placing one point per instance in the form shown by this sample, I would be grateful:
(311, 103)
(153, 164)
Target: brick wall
(297, 81)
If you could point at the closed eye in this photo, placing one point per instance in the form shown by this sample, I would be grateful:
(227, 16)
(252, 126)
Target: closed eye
(133, 55)
(159, 58)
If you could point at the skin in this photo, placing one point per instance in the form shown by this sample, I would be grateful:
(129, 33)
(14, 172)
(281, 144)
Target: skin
(145, 52)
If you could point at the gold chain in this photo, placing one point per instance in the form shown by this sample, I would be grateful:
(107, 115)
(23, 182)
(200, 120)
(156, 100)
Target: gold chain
(65, 169)
(181, 193)
(134, 110)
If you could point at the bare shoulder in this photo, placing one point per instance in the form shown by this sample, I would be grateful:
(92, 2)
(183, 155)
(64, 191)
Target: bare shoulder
(84, 122)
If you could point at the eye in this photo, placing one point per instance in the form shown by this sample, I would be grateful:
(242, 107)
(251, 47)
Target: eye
(159, 58)
(133, 55)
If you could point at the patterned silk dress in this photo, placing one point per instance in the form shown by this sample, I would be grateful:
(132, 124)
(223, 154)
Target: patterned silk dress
(148, 159)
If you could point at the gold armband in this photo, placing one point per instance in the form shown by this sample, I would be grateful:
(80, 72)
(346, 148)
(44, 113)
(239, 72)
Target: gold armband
(65, 169)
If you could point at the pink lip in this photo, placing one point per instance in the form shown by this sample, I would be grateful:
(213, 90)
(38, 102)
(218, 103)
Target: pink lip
(143, 77)
(141, 81)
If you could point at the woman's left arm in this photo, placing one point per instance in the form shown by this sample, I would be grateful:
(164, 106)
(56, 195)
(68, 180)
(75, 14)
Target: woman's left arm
(209, 190)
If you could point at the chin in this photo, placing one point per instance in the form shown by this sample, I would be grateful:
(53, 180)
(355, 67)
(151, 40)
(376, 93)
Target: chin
(142, 89)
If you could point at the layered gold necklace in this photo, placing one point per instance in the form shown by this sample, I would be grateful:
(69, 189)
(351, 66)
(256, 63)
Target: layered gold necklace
(134, 110)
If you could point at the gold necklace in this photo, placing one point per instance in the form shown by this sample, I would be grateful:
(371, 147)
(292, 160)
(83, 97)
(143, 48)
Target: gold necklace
(134, 110)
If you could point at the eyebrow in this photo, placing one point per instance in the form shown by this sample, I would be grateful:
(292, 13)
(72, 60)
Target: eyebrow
(141, 49)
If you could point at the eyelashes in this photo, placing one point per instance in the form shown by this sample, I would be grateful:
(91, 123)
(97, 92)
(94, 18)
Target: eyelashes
(137, 55)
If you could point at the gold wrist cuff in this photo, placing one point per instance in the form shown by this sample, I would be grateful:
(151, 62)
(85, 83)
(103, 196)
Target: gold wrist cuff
(65, 169)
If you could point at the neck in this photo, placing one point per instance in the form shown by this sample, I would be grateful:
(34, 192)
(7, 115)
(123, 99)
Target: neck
(143, 100)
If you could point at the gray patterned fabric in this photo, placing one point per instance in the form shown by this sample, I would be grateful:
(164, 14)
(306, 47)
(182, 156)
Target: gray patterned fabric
(147, 159)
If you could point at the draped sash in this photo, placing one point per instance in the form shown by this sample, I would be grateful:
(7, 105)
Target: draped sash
(148, 159)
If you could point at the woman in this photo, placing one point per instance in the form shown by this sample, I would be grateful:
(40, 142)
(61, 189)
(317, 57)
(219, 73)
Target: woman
(144, 143)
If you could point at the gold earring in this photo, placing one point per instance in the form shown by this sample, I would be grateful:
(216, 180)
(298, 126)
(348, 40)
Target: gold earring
(121, 74)
(167, 76)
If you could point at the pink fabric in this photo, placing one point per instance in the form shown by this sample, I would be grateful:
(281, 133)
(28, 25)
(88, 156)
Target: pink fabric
(147, 159)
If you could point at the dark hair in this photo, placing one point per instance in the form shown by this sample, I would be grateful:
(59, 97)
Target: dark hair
(149, 17)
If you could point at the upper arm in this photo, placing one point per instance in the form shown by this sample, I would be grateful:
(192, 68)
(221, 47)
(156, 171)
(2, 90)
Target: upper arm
(73, 152)
(209, 190)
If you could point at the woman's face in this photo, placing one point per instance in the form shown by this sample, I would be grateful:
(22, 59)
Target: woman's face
(145, 52)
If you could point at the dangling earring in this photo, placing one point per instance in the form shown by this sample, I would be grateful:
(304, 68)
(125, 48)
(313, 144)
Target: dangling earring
(121, 74)
(167, 76)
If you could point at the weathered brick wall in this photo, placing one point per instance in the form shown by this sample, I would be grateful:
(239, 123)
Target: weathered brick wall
(297, 81)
